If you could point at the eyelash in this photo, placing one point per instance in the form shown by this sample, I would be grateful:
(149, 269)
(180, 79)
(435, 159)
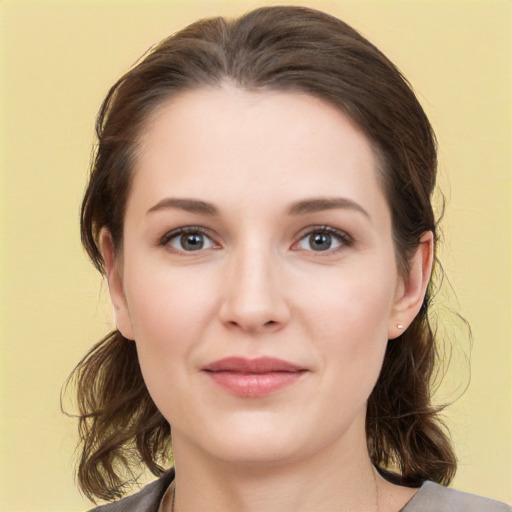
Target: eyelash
(192, 230)
(344, 239)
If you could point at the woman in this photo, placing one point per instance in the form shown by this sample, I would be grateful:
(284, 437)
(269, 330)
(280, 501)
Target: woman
(260, 205)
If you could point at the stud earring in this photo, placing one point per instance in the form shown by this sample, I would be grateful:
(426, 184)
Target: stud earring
(399, 326)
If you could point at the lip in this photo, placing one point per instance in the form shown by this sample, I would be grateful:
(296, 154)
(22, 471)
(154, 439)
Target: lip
(253, 378)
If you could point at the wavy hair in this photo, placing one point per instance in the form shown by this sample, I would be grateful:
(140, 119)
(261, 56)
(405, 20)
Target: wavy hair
(272, 48)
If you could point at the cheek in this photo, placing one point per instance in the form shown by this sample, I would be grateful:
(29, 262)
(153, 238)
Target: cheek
(169, 312)
(355, 306)
(166, 303)
(348, 318)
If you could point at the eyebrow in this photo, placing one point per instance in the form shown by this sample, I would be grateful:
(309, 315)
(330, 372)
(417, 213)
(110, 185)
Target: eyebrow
(318, 204)
(302, 207)
(188, 205)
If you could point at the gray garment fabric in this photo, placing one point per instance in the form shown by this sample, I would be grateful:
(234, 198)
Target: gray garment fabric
(433, 497)
(430, 497)
(146, 500)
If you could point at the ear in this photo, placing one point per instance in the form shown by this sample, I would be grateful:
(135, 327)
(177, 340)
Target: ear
(412, 289)
(115, 285)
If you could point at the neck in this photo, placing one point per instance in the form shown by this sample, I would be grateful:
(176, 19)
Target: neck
(339, 478)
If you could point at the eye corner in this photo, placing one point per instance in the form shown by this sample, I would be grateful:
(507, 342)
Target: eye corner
(326, 235)
(175, 241)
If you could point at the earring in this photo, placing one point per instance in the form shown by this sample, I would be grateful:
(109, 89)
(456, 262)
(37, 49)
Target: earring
(399, 326)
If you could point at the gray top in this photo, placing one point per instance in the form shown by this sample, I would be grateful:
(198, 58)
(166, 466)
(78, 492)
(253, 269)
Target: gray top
(433, 497)
(430, 497)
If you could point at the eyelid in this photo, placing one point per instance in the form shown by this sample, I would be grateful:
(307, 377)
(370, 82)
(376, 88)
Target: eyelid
(184, 230)
(345, 239)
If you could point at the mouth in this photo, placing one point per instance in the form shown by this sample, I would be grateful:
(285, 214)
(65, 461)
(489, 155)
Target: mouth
(253, 378)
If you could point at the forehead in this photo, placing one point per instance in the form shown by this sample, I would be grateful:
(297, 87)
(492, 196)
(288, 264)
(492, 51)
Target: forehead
(240, 113)
(226, 140)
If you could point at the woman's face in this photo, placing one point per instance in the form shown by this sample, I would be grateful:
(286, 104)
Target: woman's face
(257, 275)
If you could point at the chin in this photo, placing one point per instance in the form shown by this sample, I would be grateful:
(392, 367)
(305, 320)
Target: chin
(257, 454)
(251, 440)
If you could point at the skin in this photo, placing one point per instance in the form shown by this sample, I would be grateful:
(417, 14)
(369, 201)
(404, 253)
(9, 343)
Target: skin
(258, 287)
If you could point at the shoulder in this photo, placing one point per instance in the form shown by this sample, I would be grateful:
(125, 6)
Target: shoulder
(432, 497)
(146, 500)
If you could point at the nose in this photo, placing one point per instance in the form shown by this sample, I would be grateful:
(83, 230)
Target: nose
(253, 298)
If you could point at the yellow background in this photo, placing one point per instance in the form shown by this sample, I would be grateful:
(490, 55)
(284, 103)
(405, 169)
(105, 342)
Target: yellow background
(57, 61)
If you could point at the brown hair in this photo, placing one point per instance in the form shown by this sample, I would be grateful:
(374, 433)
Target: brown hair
(276, 48)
